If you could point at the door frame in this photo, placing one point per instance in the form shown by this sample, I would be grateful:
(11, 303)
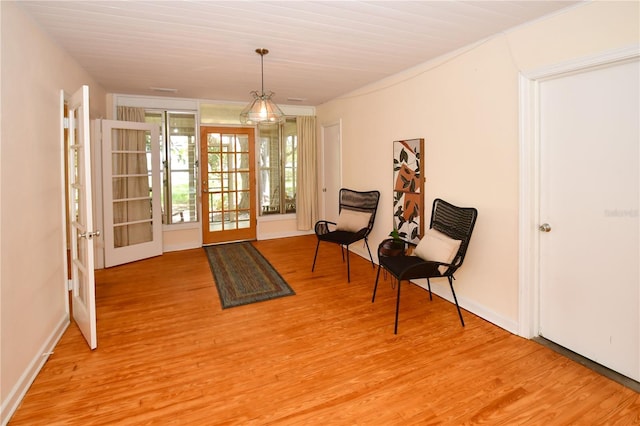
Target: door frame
(530, 174)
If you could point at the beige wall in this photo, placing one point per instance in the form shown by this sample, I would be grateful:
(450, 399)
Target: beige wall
(465, 106)
(33, 305)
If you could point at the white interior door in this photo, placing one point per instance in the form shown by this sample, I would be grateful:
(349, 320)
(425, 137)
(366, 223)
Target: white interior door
(82, 232)
(131, 191)
(589, 196)
(331, 170)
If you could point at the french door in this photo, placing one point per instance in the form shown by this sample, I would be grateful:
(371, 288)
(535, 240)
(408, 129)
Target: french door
(131, 191)
(228, 184)
(81, 231)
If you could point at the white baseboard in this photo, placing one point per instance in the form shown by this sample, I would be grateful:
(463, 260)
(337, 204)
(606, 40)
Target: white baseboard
(178, 247)
(271, 236)
(440, 287)
(11, 403)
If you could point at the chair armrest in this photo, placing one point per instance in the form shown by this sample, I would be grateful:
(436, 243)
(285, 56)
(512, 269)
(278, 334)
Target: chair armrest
(322, 227)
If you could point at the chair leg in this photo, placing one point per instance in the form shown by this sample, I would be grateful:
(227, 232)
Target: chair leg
(375, 287)
(373, 265)
(348, 267)
(429, 286)
(315, 256)
(395, 330)
(455, 300)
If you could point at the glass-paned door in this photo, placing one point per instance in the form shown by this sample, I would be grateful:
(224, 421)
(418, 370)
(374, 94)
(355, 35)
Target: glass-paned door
(131, 191)
(179, 165)
(278, 162)
(228, 182)
(82, 233)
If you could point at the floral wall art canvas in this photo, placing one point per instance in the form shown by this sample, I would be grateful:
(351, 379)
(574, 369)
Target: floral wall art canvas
(408, 192)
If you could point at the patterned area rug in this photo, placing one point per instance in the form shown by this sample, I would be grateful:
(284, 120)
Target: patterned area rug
(243, 275)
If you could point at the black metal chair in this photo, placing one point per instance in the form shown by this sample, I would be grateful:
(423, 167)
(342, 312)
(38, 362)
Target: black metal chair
(357, 215)
(450, 226)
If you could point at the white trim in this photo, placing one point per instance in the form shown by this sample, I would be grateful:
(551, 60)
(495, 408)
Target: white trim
(441, 289)
(180, 247)
(154, 102)
(162, 102)
(17, 393)
(529, 203)
(63, 196)
(575, 65)
(528, 207)
(277, 217)
(274, 235)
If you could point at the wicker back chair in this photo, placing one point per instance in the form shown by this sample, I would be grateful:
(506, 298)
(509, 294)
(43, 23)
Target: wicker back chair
(357, 216)
(452, 225)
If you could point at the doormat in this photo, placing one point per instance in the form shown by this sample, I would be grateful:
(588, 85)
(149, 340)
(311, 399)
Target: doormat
(243, 275)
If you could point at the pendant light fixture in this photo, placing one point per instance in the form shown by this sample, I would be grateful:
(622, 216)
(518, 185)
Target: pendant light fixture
(262, 109)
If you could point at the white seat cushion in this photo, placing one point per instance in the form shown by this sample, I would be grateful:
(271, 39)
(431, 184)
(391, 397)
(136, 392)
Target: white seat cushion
(437, 247)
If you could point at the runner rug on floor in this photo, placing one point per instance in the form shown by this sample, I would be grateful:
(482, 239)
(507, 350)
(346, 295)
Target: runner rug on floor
(243, 275)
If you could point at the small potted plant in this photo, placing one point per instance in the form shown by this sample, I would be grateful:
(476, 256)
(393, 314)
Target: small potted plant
(393, 247)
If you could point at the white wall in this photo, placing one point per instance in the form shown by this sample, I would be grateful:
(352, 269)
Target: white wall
(465, 106)
(33, 302)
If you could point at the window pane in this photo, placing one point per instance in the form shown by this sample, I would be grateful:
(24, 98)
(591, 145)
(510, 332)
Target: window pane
(243, 180)
(215, 182)
(213, 142)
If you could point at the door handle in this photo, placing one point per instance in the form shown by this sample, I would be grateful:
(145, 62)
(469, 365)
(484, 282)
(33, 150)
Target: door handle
(545, 227)
(89, 235)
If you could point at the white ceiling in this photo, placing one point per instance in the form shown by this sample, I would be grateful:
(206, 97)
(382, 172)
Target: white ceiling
(319, 50)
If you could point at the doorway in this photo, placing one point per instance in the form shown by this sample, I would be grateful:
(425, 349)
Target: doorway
(228, 184)
(331, 169)
(580, 284)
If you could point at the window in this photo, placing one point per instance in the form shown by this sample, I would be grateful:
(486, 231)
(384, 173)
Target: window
(277, 167)
(179, 163)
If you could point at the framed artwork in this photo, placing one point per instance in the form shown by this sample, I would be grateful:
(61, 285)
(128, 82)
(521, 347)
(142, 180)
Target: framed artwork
(408, 192)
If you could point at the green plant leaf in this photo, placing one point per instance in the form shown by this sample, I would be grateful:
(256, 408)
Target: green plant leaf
(404, 156)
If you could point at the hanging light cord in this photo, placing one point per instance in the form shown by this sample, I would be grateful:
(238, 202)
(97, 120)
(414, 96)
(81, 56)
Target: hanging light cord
(262, 52)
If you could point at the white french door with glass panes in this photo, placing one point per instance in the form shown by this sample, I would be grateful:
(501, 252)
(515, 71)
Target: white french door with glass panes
(131, 191)
(179, 165)
(81, 232)
(278, 162)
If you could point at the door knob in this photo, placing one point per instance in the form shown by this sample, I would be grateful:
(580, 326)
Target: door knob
(545, 227)
(89, 235)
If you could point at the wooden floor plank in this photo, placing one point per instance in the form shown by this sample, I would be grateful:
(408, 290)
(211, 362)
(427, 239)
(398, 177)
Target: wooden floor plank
(168, 354)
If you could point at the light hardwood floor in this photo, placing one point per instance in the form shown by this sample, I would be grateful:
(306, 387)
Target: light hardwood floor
(168, 354)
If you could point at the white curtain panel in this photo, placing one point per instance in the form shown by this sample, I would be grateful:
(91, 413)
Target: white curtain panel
(132, 202)
(307, 173)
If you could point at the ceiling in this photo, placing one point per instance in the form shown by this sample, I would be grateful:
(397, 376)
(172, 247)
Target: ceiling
(319, 50)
